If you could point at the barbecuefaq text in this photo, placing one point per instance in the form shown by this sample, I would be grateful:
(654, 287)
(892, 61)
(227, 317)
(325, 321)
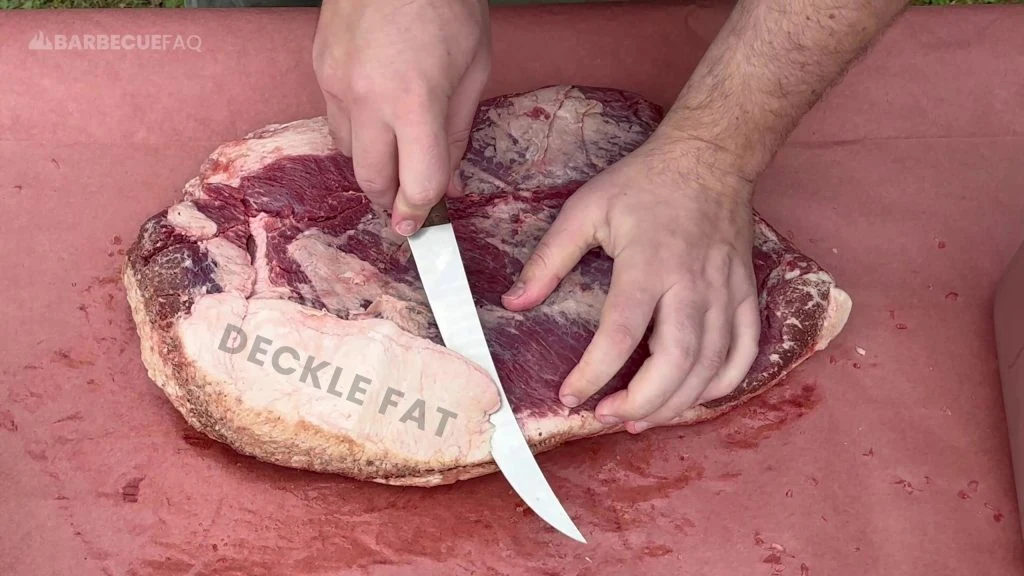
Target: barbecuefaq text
(393, 402)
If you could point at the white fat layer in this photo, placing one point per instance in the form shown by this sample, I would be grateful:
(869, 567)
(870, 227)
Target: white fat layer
(376, 350)
(262, 287)
(343, 281)
(233, 161)
(235, 272)
(188, 220)
(839, 306)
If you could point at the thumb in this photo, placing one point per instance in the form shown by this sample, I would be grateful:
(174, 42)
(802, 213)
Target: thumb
(569, 238)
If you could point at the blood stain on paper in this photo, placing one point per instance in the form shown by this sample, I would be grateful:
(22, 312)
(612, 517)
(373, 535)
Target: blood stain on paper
(656, 550)
(748, 425)
(7, 421)
(997, 516)
(908, 487)
(69, 418)
(776, 556)
(62, 356)
(130, 489)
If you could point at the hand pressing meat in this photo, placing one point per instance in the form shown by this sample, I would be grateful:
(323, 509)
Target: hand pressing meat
(681, 239)
(402, 81)
(676, 213)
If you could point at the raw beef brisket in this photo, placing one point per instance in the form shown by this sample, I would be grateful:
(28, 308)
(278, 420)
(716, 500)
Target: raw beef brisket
(280, 317)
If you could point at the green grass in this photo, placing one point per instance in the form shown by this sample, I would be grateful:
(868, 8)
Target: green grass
(42, 4)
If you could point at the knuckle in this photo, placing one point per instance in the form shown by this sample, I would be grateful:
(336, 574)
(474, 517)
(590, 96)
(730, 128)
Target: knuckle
(621, 336)
(680, 340)
(331, 73)
(373, 185)
(414, 98)
(543, 257)
(366, 87)
(713, 359)
(717, 267)
(423, 196)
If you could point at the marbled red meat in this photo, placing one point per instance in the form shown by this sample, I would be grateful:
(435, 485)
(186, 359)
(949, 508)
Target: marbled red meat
(275, 237)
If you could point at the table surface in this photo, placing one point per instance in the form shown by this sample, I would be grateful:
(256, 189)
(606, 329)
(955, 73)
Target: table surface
(906, 183)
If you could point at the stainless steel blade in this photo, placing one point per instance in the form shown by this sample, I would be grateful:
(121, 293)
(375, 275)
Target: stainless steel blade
(444, 279)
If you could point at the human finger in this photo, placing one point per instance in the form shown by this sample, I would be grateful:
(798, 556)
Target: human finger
(570, 236)
(374, 158)
(624, 320)
(714, 348)
(743, 351)
(423, 167)
(674, 345)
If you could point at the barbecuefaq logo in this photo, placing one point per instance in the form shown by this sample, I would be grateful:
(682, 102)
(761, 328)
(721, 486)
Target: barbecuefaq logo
(311, 372)
(129, 42)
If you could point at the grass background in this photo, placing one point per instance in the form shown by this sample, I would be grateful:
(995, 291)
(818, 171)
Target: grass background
(43, 4)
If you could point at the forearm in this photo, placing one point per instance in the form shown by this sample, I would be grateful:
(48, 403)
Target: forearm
(769, 65)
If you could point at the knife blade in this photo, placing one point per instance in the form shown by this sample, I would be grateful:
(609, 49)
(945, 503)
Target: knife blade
(439, 262)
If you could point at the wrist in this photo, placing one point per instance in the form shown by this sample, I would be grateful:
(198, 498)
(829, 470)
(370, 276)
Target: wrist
(702, 163)
(737, 142)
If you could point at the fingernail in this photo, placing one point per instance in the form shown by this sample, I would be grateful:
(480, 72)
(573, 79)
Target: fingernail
(406, 228)
(516, 291)
(639, 427)
(570, 401)
(606, 419)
